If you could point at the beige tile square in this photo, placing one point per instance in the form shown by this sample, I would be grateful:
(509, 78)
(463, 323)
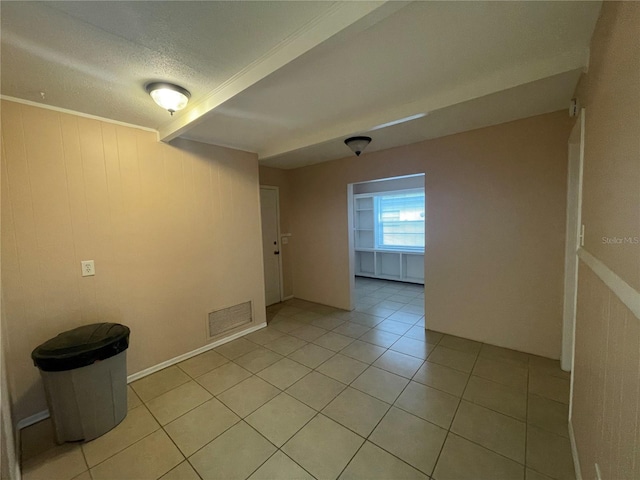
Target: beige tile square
(428, 403)
(83, 476)
(311, 355)
(223, 378)
(236, 348)
(178, 401)
(133, 400)
(333, 341)
(410, 438)
(279, 419)
(264, 335)
(198, 427)
(352, 329)
(380, 338)
(61, 462)
(283, 325)
(323, 447)
(151, 457)
(442, 378)
(413, 347)
(381, 384)
(184, 471)
(378, 312)
(414, 307)
(258, 359)
(285, 344)
(390, 304)
(328, 323)
(284, 373)
(398, 363)
(461, 344)
(137, 424)
(549, 453)
(546, 366)
(373, 463)
(548, 415)
(341, 368)
(306, 316)
(533, 475)
(38, 438)
(357, 411)
(497, 397)
(308, 332)
(233, 455)
(504, 355)
(420, 333)
(396, 328)
(248, 396)
(492, 430)
(316, 390)
(203, 363)
(453, 358)
(508, 374)
(553, 388)
(368, 318)
(363, 351)
(279, 466)
(403, 316)
(289, 311)
(160, 382)
(462, 460)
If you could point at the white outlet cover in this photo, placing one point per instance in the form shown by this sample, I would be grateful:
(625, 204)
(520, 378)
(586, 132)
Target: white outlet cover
(88, 268)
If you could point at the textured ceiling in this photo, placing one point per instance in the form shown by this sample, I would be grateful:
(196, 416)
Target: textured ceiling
(290, 80)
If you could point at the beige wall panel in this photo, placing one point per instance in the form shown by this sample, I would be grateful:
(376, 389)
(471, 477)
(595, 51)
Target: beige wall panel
(495, 229)
(611, 94)
(606, 412)
(173, 230)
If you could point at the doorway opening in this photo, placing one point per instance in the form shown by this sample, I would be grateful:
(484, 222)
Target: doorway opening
(387, 219)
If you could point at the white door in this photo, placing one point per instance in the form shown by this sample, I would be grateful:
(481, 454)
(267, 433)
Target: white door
(574, 238)
(270, 243)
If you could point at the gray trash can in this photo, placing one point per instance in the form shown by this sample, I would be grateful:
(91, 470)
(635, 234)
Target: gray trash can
(85, 378)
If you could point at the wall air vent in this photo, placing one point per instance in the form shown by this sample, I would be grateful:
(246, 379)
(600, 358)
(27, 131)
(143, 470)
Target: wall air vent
(226, 319)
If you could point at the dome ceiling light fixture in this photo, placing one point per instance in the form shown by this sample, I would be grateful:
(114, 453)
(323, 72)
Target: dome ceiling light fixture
(169, 96)
(357, 144)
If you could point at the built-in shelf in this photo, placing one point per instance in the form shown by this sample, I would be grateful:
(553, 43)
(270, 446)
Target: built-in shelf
(390, 265)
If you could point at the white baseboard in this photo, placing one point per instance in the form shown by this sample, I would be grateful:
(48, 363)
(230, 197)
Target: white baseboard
(185, 356)
(35, 418)
(44, 414)
(574, 452)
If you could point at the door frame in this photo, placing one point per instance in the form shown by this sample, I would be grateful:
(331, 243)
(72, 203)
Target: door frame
(280, 276)
(574, 240)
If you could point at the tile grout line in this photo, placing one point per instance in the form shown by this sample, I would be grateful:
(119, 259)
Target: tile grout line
(435, 464)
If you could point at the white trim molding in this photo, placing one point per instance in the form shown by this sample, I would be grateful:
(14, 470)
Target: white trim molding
(574, 452)
(73, 112)
(625, 292)
(44, 414)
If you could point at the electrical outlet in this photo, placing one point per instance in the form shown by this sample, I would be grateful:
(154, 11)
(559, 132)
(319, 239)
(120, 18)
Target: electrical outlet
(88, 268)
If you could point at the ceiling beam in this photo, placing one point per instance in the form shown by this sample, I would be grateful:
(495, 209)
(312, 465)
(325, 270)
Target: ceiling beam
(477, 87)
(334, 20)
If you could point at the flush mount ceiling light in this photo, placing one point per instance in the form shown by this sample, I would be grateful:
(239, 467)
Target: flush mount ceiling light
(169, 96)
(357, 144)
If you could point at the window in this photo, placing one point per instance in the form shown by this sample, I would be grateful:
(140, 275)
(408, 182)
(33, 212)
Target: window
(399, 220)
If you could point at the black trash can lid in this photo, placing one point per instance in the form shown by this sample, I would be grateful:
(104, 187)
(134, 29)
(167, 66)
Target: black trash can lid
(81, 346)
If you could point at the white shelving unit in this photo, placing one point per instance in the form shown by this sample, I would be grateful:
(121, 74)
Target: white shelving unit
(405, 266)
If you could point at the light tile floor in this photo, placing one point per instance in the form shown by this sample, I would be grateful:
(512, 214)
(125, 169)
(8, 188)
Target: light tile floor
(324, 393)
